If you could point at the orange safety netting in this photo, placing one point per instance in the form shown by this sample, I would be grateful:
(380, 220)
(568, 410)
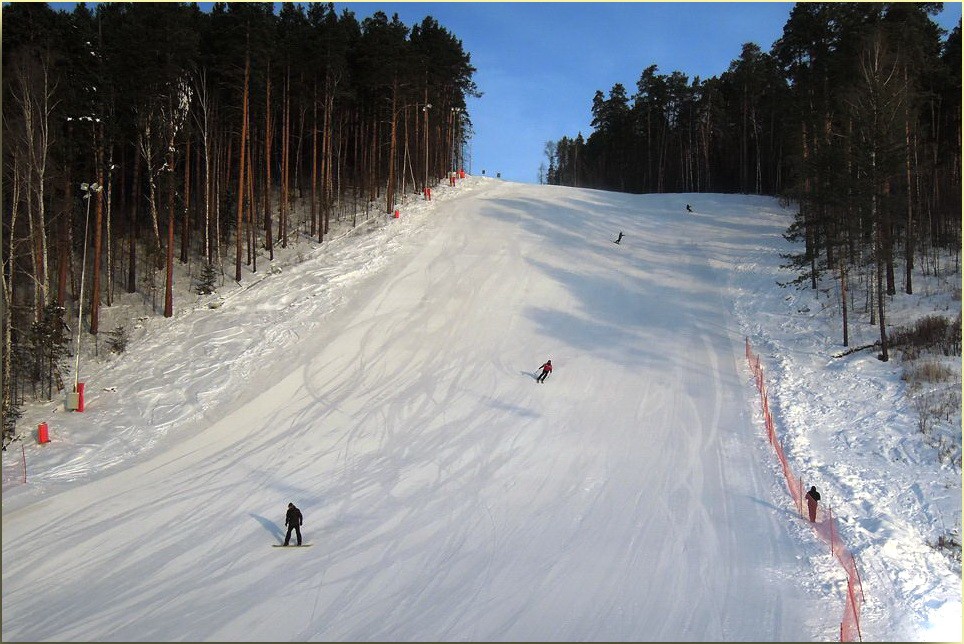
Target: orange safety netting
(825, 526)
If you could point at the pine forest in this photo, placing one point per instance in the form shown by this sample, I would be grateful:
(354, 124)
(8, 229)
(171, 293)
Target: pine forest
(854, 116)
(141, 135)
(137, 135)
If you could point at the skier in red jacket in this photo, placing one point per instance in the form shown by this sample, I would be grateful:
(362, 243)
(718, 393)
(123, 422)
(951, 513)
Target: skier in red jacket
(546, 370)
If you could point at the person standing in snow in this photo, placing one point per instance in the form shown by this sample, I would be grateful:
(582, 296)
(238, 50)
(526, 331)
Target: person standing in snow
(812, 497)
(546, 370)
(620, 238)
(293, 520)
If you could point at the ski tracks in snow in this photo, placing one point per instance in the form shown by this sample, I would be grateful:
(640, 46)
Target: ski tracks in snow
(449, 496)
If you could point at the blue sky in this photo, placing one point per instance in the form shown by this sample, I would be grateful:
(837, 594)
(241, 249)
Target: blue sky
(539, 63)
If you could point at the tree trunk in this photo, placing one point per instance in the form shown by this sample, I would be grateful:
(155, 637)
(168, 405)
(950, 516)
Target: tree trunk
(299, 183)
(286, 116)
(268, 241)
(390, 192)
(147, 149)
(252, 227)
(239, 232)
(205, 126)
(843, 301)
(64, 250)
(910, 232)
(880, 259)
(35, 114)
(313, 195)
(132, 233)
(109, 191)
(169, 259)
(327, 161)
(7, 282)
(186, 226)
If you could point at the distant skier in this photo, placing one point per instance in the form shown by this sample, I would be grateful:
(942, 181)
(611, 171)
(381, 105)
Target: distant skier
(812, 497)
(620, 238)
(688, 209)
(293, 520)
(546, 370)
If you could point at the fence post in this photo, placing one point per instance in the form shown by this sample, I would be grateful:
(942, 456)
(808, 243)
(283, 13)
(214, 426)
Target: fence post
(853, 606)
(832, 537)
(853, 558)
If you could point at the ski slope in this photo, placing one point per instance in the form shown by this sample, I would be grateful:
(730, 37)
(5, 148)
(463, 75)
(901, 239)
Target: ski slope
(385, 385)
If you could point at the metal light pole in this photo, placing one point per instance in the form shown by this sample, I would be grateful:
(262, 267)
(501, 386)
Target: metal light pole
(460, 131)
(425, 110)
(89, 189)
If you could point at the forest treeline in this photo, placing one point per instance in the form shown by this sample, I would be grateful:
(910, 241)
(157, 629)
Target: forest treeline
(137, 135)
(854, 116)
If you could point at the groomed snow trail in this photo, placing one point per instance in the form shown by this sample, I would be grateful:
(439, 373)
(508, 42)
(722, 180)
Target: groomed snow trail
(449, 496)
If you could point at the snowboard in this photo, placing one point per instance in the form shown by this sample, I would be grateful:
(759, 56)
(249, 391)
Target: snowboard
(292, 545)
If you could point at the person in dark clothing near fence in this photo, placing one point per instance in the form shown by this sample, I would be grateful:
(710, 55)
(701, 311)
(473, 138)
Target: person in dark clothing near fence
(812, 497)
(546, 370)
(293, 520)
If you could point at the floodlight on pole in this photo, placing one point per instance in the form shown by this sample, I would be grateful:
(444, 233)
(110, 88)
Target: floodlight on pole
(89, 191)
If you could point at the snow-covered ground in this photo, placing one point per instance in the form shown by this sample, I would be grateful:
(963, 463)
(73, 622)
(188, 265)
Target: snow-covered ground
(384, 382)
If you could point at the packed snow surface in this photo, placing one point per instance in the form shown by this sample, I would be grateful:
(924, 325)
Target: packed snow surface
(383, 381)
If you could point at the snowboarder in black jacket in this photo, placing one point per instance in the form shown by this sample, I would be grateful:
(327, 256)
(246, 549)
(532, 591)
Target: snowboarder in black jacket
(293, 520)
(688, 209)
(812, 497)
(620, 238)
